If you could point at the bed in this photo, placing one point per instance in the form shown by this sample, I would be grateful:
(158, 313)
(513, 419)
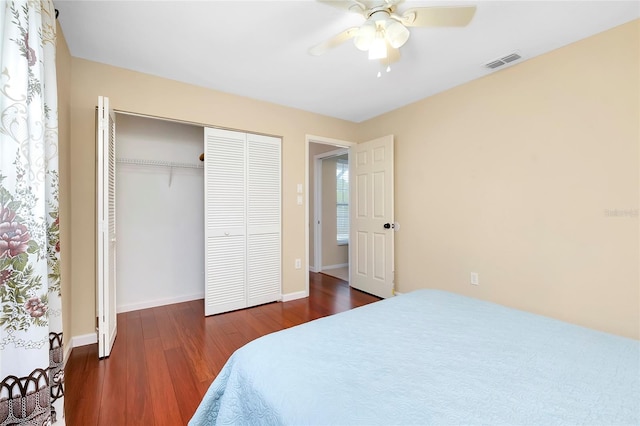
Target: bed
(429, 357)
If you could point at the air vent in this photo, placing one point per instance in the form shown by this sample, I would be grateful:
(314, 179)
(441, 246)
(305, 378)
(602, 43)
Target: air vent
(511, 58)
(495, 64)
(503, 61)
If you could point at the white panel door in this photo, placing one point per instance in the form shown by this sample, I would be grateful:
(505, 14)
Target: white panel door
(106, 228)
(371, 229)
(263, 219)
(225, 215)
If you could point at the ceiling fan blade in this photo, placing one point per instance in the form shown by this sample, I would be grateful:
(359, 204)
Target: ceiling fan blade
(334, 41)
(446, 16)
(350, 5)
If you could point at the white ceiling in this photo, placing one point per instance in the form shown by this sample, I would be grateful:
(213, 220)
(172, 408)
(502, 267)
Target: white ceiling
(259, 49)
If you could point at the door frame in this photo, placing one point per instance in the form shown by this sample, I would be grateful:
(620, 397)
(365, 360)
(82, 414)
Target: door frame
(338, 143)
(317, 203)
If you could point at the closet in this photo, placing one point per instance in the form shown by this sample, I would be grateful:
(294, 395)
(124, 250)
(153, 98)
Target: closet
(189, 229)
(159, 212)
(242, 220)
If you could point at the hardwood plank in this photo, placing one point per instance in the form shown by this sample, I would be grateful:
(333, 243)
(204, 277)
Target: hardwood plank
(242, 319)
(149, 325)
(193, 341)
(139, 409)
(255, 323)
(115, 381)
(164, 401)
(83, 387)
(166, 326)
(214, 353)
(183, 383)
(165, 358)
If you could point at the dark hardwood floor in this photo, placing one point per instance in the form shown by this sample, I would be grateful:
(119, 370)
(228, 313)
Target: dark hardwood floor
(165, 358)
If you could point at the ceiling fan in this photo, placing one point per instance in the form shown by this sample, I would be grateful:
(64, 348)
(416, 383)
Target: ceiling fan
(385, 29)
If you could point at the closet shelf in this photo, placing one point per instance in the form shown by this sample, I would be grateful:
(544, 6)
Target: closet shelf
(139, 162)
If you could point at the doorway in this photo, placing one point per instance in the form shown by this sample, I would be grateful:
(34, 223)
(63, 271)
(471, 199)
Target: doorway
(327, 212)
(331, 211)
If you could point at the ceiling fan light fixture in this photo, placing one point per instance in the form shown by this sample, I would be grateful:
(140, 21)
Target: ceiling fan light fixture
(386, 29)
(397, 34)
(378, 49)
(365, 36)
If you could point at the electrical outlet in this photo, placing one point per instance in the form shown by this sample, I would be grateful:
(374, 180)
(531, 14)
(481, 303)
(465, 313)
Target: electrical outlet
(298, 263)
(475, 279)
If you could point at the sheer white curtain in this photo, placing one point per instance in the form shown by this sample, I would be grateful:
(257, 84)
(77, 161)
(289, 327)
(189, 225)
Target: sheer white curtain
(31, 375)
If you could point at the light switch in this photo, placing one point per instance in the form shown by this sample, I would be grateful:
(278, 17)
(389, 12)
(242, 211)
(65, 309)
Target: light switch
(299, 188)
(475, 279)
(299, 200)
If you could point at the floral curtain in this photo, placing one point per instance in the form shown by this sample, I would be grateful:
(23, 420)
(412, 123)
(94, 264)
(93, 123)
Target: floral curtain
(31, 374)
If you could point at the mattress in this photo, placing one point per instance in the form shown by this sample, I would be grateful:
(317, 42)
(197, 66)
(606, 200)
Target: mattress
(429, 357)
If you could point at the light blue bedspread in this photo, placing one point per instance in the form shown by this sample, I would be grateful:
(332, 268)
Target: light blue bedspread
(429, 357)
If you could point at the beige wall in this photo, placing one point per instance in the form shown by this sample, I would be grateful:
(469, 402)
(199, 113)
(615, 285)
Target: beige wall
(314, 149)
(515, 175)
(63, 68)
(332, 253)
(510, 176)
(141, 93)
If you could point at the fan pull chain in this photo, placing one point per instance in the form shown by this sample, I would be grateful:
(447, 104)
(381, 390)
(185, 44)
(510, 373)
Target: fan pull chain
(388, 69)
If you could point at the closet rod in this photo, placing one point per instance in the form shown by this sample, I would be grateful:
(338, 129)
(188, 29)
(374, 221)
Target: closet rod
(138, 162)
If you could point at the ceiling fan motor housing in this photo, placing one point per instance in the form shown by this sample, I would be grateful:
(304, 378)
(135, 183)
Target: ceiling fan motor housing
(378, 30)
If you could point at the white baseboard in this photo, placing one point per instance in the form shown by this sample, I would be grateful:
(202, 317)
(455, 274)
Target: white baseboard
(67, 352)
(397, 293)
(340, 265)
(313, 269)
(84, 340)
(294, 296)
(158, 302)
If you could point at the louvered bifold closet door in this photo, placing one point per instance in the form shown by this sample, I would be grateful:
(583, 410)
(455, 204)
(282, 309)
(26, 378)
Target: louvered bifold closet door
(225, 221)
(263, 219)
(112, 317)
